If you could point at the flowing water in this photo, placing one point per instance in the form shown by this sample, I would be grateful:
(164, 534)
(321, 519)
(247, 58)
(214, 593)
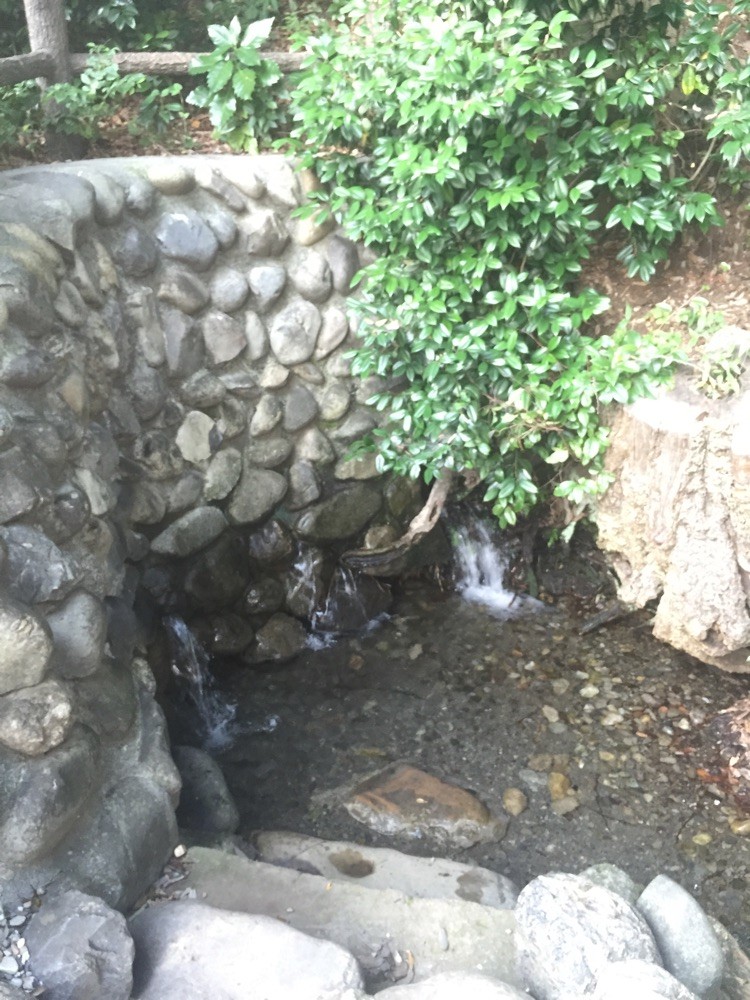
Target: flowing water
(214, 714)
(602, 733)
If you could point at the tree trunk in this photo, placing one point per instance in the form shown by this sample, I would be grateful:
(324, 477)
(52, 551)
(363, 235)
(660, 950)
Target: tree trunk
(45, 21)
(48, 32)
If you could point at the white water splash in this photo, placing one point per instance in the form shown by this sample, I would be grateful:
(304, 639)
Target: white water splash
(191, 662)
(482, 567)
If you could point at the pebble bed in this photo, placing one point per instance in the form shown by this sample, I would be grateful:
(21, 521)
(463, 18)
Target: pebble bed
(14, 955)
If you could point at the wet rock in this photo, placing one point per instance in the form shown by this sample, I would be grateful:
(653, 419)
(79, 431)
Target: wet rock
(81, 948)
(205, 801)
(131, 836)
(264, 596)
(191, 532)
(36, 569)
(227, 634)
(343, 257)
(222, 474)
(135, 252)
(304, 589)
(304, 488)
(224, 337)
(266, 234)
(266, 283)
(352, 602)
(229, 289)
(382, 868)
(270, 544)
(554, 910)
(79, 630)
(455, 986)
(311, 276)
(183, 290)
(217, 577)
(256, 495)
(184, 236)
(197, 437)
(686, 940)
(300, 409)
(35, 719)
(41, 798)
(268, 414)
(280, 639)
(341, 516)
(106, 701)
(636, 978)
(177, 944)
(294, 333)
(404, 800)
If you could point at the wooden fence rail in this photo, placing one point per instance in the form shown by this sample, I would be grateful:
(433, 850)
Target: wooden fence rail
(41, 63)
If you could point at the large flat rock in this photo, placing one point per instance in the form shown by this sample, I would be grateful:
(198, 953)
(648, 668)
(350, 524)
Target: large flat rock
(390, 933)
(382, 868)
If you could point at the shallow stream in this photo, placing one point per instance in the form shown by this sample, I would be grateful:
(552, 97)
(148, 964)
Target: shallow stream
(590, 748)
(602, 733)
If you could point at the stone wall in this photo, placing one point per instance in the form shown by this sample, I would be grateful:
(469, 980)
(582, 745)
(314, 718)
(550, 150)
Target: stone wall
(176, 409)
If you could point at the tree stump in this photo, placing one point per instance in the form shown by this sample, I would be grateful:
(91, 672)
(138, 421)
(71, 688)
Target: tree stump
(676, 521)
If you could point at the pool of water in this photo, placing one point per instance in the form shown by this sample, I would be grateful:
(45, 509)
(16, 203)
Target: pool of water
(604, 734)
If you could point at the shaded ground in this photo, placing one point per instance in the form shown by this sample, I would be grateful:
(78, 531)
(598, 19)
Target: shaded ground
(492, 705)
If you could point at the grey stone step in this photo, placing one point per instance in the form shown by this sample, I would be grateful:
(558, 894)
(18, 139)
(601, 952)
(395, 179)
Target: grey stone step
(394, 936)
(383, 868)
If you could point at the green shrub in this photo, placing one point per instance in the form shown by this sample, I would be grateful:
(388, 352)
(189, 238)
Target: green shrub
(78, 108)
(242, 89)
(482, 150)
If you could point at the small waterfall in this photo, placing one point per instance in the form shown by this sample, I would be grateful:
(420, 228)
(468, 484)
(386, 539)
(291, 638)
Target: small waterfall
(353, 603)
(191, 663)
(482, 565)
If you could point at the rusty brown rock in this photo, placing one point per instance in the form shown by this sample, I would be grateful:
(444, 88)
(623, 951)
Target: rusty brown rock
(404, 800)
